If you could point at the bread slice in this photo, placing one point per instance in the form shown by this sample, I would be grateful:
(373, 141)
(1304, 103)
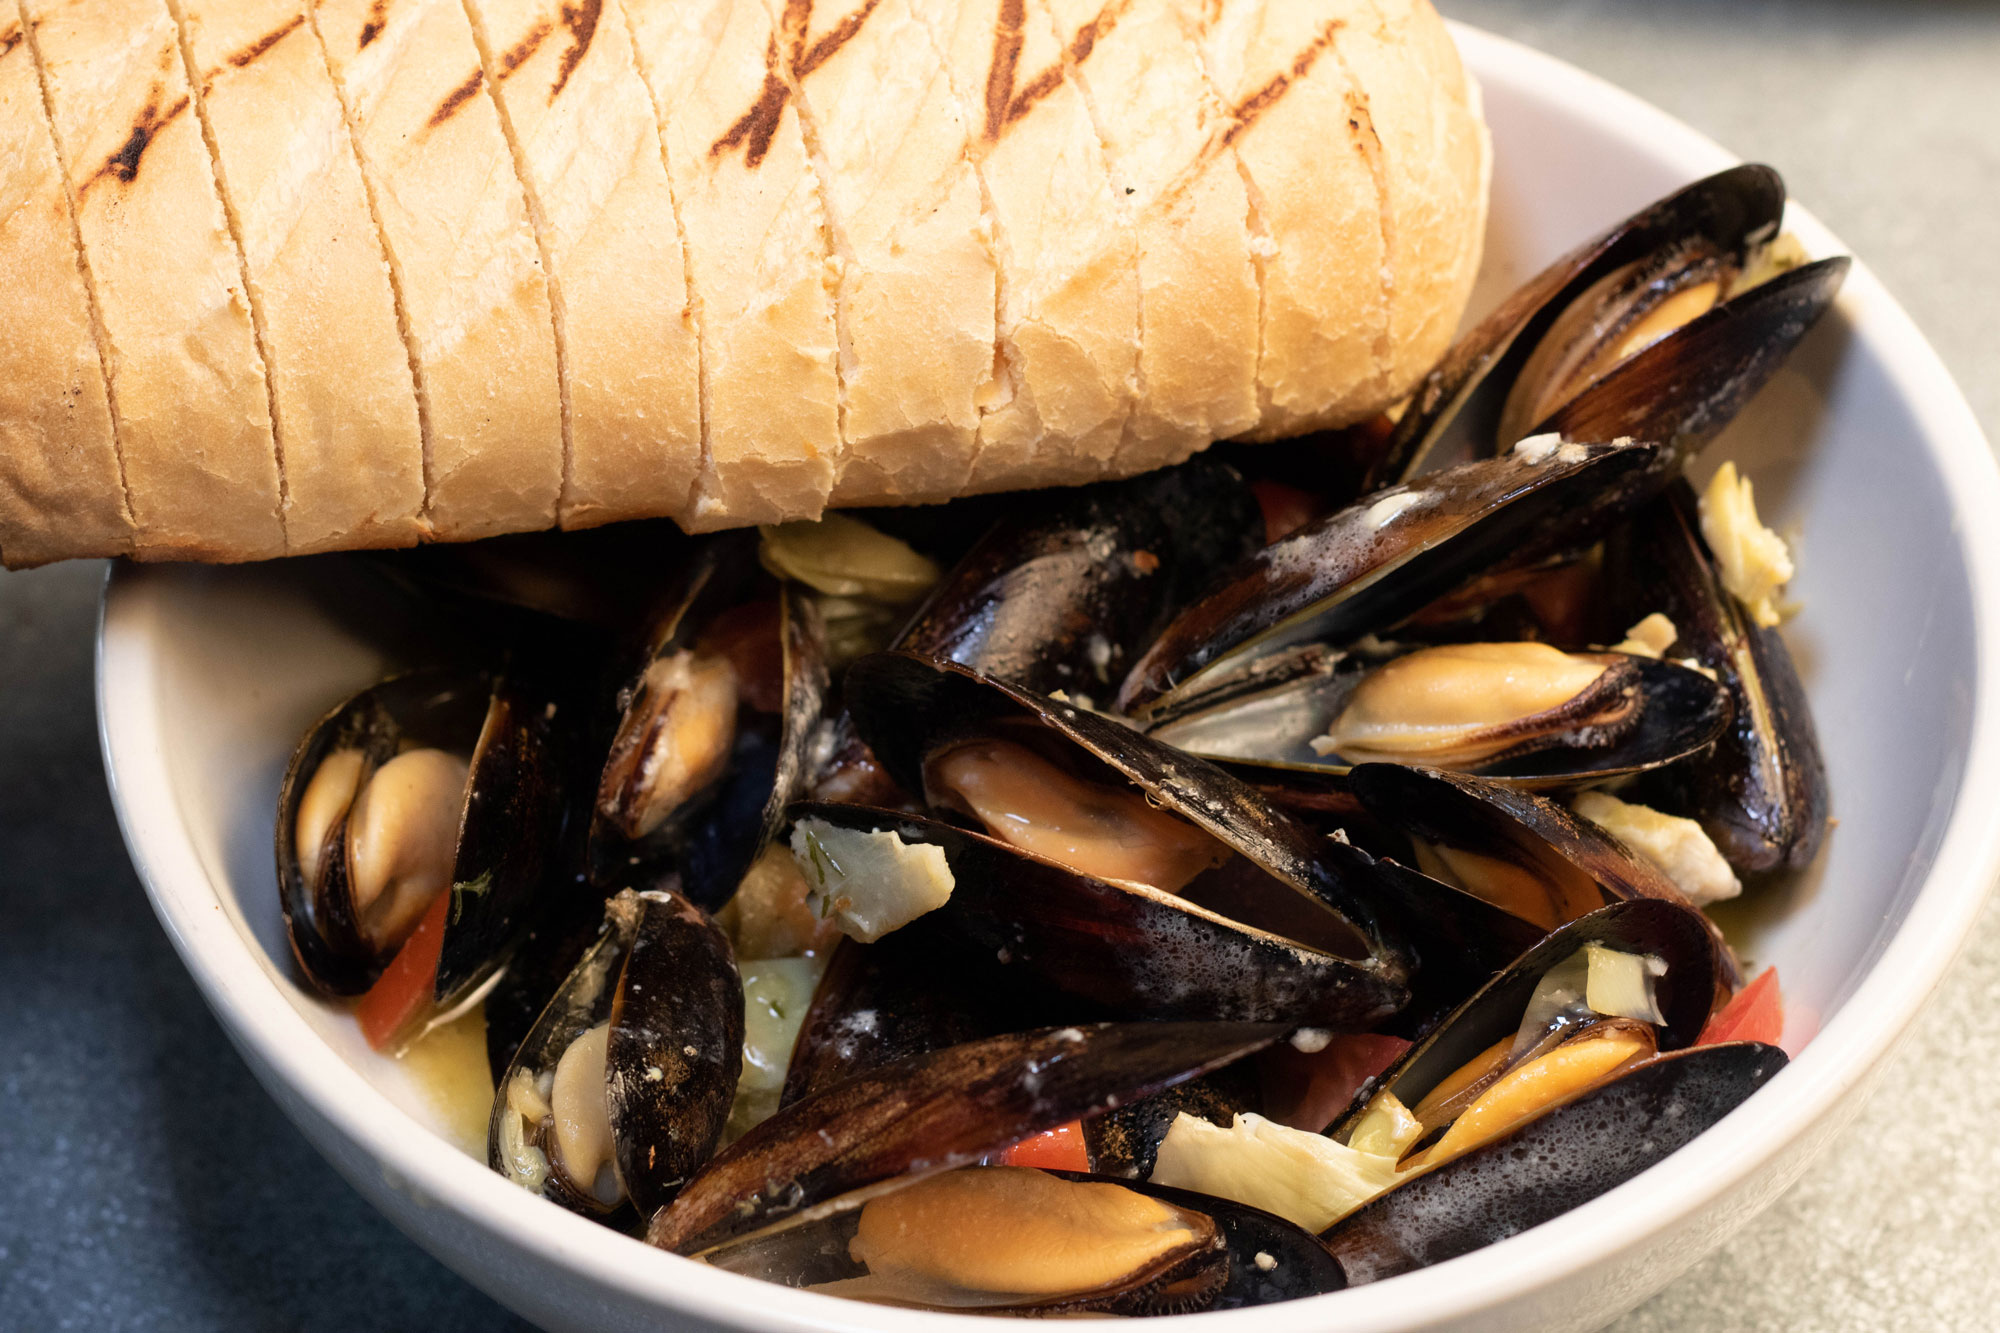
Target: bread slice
(759, 260)
(345, 404)
(1166, 136)
(187, 383)
(454, 222)
(61, 493)
(1435, 160)
(1325, 324)
(916, 294)
(585, 134)
(1069, 290)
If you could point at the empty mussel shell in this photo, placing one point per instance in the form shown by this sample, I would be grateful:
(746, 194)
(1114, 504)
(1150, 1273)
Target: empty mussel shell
(1560, 1159)
(934, 1112)
(1723, 215)
(1372, 565)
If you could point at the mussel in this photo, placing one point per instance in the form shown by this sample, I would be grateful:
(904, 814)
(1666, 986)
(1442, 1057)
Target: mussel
(420, 813)
(1760, 792)
(621, 1090)
(1660, 328)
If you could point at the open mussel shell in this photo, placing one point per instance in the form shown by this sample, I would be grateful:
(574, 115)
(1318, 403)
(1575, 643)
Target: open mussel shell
(1724, 214)
(1683, 389)
(1574, 866)
(934, 1112)
(1561, 1159)
(1061, 595)
(908, 708)
(696, 779)
(662, 985)
(1264, 728)
(1000, 1240)
(1270, 1258)
(506, 821)
(1132, 950)
(1685, 994)
(1761, 792)
(1372, 565)
(1125, 1142)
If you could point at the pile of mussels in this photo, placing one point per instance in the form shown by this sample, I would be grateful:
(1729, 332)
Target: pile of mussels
(1176, 893)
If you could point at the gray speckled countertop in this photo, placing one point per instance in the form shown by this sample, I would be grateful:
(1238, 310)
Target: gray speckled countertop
(150, 1184)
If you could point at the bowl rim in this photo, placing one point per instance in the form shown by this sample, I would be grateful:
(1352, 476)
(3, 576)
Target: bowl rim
(1852, 1044)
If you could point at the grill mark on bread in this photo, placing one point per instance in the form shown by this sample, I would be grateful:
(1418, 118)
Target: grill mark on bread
(581, 21)
(378, 18)
(755, 128)
(9, 40)
(1000, 92)
(1247, 112)
(459, 97)
(266, 42)
(524, 50)
(252, 298)
(123, 165)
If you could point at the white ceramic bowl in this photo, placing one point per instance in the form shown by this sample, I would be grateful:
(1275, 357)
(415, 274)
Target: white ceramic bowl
(1863, 449)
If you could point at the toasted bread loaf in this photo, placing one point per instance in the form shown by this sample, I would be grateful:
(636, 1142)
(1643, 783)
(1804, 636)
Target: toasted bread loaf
(454, 221)
(60, 489)
(496, 265)
(187, 382)
(344, 402)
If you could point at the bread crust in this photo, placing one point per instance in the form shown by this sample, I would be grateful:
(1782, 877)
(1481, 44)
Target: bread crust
(61, 493)
(1435, 160)
(917, 281)
(1166, 137)
(759, 263)
(187, 383)
(454, 222)
(1069, 293)
(584, 129)
(346, 406)
(1325, 313)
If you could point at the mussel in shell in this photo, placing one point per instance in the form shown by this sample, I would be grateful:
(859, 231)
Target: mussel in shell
(432, 793)
(621, 1090)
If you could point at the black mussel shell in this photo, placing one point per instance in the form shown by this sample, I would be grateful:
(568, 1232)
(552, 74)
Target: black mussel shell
(934, 1112)
(1125, 1142)
(1553, 1163)
(1060, 595)
(902, 996)
(662, 976)
(1390, 554)
(1263, 725)
(675, 1050)
(907, 708)
(1566, 852)
(507, 827)
(1685, 994)
(1683, 389)
(1132, 951)
(1729, 211)
(1761, 792)
(602, 577)
(1270, 1259)
(817, 1252)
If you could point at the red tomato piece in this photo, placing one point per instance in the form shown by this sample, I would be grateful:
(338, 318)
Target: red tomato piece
(403, 992)
(1308, 1090)
(1756, 1014)
(1058, 1149)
